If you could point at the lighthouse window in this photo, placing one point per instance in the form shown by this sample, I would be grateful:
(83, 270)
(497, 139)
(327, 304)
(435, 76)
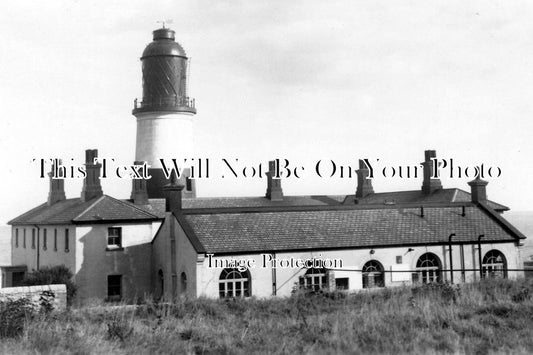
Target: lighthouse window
(188, 184)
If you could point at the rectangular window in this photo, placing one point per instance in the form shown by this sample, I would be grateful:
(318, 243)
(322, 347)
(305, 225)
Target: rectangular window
(66, 240)
(55, 239)
(188, 184)
(33, 238)
(114, 237)
(24, 238)
(44, 238)
(16, 237)
(399, 259)
(114, 287)
(342, 283)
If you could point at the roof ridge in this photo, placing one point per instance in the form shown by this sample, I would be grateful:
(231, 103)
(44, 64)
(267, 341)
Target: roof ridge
(121, 202)
(454, 195)
(88, 208)
(340, 207)
(129, 204)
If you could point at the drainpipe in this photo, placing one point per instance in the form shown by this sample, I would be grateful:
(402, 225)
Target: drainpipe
(479, 255)
(462, 255)
(38, 245)
(451, 259)
(274, 282)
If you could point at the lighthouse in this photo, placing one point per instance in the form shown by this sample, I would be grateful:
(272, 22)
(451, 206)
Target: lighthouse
(165, 113)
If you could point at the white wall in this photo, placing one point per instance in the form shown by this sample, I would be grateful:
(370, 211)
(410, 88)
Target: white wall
(5, 247)
(353, 259)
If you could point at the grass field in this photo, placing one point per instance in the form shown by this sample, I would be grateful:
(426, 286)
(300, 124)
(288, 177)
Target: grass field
(488, 317)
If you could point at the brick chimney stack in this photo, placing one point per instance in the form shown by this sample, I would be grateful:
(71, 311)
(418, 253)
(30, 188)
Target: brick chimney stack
(430, 184)
(57, 187)
(173, 197)
(364, 185)
(139, 192)
(478, 190)
(91, 184)
(274, 191)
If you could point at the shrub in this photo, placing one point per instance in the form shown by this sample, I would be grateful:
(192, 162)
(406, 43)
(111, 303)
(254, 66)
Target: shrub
(119, 329)
(522, 295)
(52, 275)
(448, 293)
(13, 315)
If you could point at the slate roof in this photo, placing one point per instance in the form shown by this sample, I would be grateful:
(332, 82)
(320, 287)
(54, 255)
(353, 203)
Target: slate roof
(416, 196)
(220, 202)
(110, 209)
(157, 205)
(104, 208)
(62, 212)
(257, 230)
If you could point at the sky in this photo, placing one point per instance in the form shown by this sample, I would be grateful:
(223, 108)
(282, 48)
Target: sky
(298, 80)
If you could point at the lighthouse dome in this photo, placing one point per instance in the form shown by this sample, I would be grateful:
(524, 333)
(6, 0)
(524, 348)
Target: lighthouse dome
(164, 44)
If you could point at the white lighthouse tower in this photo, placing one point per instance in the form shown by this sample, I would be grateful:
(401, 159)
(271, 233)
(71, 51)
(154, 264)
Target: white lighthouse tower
(165, 113)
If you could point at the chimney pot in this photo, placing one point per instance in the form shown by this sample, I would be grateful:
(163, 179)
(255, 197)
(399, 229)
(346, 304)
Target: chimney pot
(91, 184)
(478, 189)
(364, 185)
(430, 184)
(274, 191)
(57, 186)
(173, 195)
(139, 191)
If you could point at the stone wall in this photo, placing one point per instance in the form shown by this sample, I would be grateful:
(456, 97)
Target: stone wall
(54, 295)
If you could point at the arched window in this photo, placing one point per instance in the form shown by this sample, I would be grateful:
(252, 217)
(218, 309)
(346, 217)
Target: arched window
(183, 281)
(428, 269)
(314, 279)
(494, 265)
(234, 283)
(373, 275)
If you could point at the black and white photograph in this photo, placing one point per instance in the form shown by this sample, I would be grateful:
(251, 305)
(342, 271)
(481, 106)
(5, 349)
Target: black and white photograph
(266, 177)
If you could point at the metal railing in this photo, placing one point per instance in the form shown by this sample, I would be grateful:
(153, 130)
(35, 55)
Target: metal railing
(176, 101)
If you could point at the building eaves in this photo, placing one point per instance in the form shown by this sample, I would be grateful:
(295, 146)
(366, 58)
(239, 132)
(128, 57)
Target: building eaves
(497, 217)
(189, 232)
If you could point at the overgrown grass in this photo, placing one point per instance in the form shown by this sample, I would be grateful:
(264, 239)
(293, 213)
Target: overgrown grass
(494, 316)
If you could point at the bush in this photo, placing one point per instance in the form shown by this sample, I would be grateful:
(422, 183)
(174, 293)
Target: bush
(52, 275)
(448, 293)
(13, 315)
